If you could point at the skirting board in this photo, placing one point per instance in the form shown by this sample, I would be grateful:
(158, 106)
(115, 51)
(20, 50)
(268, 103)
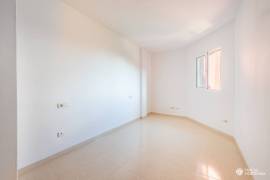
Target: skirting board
(228, 136)
(241, 154)
(198, 123)
(69, 150)
(72, 148)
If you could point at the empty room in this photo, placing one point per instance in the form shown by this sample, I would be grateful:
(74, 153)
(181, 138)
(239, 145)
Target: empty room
(135, 90)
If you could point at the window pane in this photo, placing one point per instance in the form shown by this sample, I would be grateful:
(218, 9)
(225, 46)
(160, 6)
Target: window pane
(201, 72)
(214, 70)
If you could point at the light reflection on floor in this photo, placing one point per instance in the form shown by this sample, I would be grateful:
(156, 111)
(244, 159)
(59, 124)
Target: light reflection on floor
(209, 172)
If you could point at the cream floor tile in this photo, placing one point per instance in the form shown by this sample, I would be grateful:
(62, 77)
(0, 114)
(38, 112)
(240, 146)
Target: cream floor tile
(155, 148)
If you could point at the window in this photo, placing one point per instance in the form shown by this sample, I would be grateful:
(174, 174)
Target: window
(214, 67)
(201, 72)
(208, 70)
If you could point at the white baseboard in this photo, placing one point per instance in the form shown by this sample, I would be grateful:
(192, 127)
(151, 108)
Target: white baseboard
(230, 137)
(70, 149)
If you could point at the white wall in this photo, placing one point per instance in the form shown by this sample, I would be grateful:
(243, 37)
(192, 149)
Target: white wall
(207, 106)
(169, 82)
(145, 82)
(252, 115)
(8, 119)
(174, 82)
(65, 57)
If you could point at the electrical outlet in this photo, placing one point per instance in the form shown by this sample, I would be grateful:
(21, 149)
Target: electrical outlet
(59, 105)
(174, 108)
(225, 121)
(59, 134)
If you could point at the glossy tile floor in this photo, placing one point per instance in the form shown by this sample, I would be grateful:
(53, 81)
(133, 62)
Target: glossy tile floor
(155, 148)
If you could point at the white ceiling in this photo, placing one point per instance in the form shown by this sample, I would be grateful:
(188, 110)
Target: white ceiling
(160, 24)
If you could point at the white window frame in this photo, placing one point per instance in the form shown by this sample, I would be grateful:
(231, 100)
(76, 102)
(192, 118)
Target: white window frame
(206, 55)
(204, 75)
